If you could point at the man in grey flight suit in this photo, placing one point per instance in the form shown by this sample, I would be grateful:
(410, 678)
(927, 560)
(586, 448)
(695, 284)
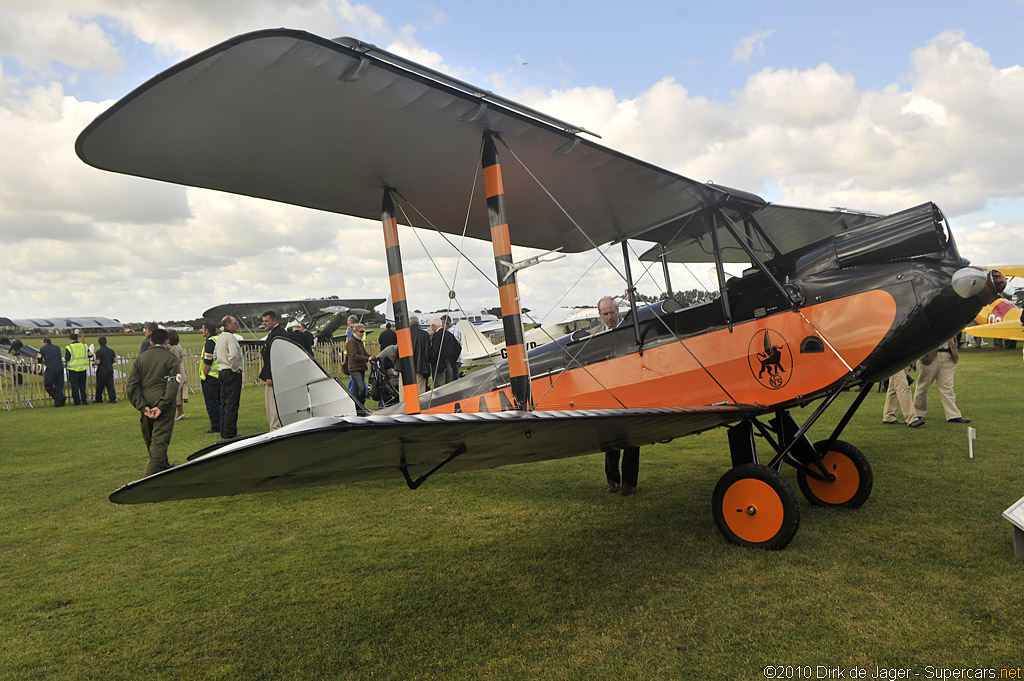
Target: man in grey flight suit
(152, 389)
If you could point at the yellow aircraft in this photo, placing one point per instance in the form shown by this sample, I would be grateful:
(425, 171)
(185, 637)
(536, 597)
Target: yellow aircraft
(1000, 318)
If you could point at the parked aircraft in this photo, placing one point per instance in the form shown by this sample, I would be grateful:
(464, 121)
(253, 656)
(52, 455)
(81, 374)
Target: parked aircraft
(832, 299)
(482, 320)
(16, 357)
(51, 323)
(480, 347)
(1000, 319)
(323, 315)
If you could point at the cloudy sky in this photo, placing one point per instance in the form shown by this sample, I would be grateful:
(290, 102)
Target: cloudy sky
(873, 105)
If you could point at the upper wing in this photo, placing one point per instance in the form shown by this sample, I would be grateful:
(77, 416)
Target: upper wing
(292, 117)
(789, 228)
(288, 307)
(63, 323)
(1010, 270)
(325, 450)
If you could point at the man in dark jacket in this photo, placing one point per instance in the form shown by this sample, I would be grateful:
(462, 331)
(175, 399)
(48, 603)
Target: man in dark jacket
(274, 330)
(152, 388)
(387, 337)
(444, 353)
(298, 332)
(420, 353)
(53, 376)
(105, 358)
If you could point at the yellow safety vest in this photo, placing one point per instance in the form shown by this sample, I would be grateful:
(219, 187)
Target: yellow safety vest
(214, 368)
(79, 357)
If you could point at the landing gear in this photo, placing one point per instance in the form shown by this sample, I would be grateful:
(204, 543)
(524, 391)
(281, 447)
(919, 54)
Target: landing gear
(754, 506)
(851, 475)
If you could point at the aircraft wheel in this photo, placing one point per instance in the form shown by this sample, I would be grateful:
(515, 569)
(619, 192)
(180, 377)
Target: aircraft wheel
(754, 506)
(853, 482)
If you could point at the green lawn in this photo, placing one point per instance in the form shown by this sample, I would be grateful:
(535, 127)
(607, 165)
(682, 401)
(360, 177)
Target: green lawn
(517, 573)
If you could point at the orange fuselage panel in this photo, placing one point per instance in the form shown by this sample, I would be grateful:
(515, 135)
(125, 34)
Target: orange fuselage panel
(766, 361)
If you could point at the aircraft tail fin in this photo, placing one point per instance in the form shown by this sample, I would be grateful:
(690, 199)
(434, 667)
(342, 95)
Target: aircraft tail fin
(303, 389)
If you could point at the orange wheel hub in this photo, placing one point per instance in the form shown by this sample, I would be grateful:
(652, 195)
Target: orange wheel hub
(842, 489)
(752, 510)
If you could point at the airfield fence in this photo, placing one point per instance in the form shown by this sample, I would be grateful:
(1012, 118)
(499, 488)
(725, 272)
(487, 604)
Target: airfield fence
(22, 387)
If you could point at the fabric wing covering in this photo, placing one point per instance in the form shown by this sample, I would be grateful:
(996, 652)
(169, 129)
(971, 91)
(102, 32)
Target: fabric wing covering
(327, 450)
(688, 239)
(288, 116)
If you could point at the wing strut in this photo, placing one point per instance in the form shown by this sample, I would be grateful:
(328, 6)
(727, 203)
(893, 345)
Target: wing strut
(413, 484)
(720, 269)
(508, 288)
(664, 268)
(631, 292)
(410, 393)
(754, 260)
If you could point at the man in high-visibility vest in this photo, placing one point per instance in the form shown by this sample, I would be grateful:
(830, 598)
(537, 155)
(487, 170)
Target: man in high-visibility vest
(76, 355)
(210, 377)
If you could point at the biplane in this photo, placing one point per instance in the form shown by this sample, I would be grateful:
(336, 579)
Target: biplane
(831, 299)
(323, 316)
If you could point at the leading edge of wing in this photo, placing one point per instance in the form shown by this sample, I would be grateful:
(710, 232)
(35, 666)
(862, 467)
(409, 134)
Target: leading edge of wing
(256, 308)
(1010, 329)
(327, 450)
(288, 116)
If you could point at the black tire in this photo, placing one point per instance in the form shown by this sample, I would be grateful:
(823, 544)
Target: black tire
(854, 479)
(754, 506)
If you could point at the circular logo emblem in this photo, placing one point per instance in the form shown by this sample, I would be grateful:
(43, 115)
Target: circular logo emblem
(770, 359)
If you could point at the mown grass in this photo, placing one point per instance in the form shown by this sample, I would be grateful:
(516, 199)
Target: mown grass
(517, 573)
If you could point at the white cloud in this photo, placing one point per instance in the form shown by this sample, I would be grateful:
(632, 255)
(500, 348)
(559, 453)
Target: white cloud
(950, 131)
(952, 134)
(746, 47)
(46, 33)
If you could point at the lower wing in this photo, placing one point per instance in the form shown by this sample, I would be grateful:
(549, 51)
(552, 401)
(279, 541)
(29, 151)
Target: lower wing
(326, 450)
(1008, 330)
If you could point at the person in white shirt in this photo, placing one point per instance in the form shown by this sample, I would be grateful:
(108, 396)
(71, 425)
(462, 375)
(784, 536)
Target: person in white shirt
(228, 355)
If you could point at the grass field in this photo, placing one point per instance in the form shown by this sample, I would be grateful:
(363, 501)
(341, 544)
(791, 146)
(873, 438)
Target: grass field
(524, 572)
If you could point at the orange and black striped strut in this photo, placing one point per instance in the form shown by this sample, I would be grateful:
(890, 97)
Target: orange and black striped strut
(508, 290)
(406, 366)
